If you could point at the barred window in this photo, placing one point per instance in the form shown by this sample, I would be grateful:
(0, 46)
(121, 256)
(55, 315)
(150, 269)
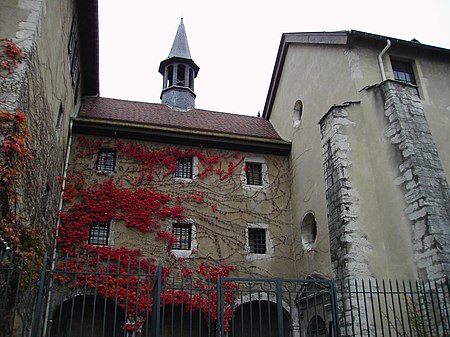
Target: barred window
(183, 236)
(184, 168)
(257, 240)
(99, 233)
(106, 160)
(253, 173)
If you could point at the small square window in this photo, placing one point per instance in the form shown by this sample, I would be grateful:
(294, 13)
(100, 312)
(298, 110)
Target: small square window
(183, 236)
(106, 160)
(403, 71)
(257, 240)
(253, 173)
(184, 168)
(99, 233)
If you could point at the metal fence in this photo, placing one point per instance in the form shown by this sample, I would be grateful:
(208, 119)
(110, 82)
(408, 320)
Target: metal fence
(83, 297)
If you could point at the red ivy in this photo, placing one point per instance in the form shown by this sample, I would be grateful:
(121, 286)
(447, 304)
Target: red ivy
(129, 281)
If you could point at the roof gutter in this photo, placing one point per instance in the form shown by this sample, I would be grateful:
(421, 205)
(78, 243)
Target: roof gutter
(380, 59)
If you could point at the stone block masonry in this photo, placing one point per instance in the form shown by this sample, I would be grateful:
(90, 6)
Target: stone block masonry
(425, 186)
(349, 247)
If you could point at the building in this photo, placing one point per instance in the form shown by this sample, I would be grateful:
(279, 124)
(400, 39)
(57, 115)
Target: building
(49, 60)
(370, 114)
(345, 176)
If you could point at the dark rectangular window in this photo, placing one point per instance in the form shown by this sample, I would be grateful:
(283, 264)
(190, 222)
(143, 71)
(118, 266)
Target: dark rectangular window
(253, 172)
(257, 240)
(184, 168)
(403, 71)
(106, 160)
(183, 236)
(99, 233)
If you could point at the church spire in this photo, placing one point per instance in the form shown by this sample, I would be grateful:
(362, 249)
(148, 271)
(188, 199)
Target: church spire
(179, 71)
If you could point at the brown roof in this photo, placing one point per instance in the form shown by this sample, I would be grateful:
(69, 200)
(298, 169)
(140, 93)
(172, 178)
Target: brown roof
(160, 115)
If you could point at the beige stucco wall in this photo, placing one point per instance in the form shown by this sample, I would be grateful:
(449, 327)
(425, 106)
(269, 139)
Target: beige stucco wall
(324, 76)
(221, 219)
(373, 170)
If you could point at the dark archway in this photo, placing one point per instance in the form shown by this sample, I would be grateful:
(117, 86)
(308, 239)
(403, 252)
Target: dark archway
(258, 319)
(87, 316)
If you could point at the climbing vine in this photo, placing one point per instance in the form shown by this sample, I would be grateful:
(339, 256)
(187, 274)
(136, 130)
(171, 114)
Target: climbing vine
(143, 196)
(10, 56)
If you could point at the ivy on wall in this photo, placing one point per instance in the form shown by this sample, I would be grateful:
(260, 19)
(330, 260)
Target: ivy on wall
(143, 196)
(15, 156)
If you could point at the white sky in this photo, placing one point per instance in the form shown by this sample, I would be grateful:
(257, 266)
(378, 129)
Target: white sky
(235, 43)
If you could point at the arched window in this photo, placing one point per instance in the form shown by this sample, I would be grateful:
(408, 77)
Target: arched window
(181, 75)
(191, 79)
(297, 113)
(309, 231)
(169, 76)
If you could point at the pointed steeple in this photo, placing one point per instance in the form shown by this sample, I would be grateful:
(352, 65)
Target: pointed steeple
(180, 46)
(179, 71)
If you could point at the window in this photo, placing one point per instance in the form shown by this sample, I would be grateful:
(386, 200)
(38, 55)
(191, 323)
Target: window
(99, 233)
(403, 71)
(184, 168)
(309, 231)
(183, 236)
(106, 160)
(297, 113)
(253, 173)
(257, 240)
(180, 75)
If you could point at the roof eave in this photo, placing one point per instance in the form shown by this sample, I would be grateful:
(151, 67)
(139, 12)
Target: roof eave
(101, 127)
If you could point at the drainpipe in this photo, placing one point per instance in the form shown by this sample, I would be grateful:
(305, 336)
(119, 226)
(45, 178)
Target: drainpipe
(380, 59)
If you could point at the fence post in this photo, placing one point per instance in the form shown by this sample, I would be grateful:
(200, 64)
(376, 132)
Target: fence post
(334, 309)
(279, 307)
(156, 311)
(39, 300)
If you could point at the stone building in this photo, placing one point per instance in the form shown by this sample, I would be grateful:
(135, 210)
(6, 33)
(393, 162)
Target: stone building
(49, 60)
(228, 174)
(344, 176)
(368, 119)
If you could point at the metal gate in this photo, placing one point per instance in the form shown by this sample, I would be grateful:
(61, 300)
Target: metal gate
(80, 297)
(277, 307)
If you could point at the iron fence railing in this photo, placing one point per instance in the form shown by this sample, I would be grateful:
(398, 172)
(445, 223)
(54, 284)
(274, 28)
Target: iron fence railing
(394, 308)
(83, 296)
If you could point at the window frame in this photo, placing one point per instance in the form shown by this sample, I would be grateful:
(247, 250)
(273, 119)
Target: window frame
(194, 169)
(398, 67)
(250, 256)
(181, 235)
(104, 166)
(184, 253)
(264, 173)
(108, 241)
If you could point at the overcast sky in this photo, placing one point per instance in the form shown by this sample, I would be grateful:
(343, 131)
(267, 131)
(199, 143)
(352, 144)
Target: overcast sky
(235, 42)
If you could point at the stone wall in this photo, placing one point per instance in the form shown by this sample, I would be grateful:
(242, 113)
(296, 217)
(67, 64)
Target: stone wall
(422, 178)
(41, 87)
(349, 247)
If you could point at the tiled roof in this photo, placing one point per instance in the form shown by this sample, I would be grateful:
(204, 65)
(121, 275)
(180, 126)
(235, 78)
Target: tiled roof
(160, 115)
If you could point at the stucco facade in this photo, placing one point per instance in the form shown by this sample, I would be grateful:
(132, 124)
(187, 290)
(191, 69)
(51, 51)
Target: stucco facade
(329, 98)
(221, 206)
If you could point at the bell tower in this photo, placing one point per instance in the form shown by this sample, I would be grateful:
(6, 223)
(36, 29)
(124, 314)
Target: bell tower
(179, 72)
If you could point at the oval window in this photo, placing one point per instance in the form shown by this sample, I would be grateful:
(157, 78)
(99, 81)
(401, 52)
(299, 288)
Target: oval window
(309, 231)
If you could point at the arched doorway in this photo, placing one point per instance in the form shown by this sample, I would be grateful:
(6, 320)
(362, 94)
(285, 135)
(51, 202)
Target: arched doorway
(87, 316)
(258, 319)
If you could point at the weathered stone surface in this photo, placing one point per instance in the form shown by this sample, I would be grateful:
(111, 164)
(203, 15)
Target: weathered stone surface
(426, 190)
